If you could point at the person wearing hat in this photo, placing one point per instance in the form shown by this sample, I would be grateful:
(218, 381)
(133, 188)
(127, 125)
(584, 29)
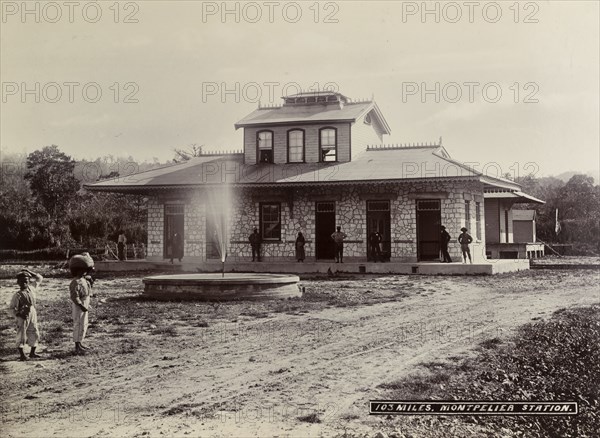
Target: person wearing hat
(338, 240)
(465, 239)
(254, 240)
(22, 306)
(444, 240)
(80, 291)
(375, 246)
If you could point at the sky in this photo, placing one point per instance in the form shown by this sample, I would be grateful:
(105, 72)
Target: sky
(513, 85)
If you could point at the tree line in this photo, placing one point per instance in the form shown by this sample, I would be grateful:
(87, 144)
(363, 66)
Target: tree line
(43, 203)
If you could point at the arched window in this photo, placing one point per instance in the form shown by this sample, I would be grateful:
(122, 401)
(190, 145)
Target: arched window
(264, 146)
(296, 146)
(328, 144)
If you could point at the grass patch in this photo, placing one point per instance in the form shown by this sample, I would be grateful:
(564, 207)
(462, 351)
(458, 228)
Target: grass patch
(553, 360)
(129, 346)
(165, 330)
(490, 344)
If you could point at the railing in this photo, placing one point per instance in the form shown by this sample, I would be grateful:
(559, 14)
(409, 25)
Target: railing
(108, 252)
(547, 245)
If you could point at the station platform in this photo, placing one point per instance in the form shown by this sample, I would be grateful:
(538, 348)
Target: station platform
(488, 267)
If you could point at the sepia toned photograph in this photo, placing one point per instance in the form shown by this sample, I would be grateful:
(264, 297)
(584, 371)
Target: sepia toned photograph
(352, 219)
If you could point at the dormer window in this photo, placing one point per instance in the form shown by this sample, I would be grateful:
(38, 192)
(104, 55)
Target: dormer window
(264, 145)
(328, 144)
(296, 146)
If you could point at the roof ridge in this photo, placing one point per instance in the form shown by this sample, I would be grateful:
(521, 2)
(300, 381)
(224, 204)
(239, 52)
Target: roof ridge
(360, 100)
(219, 153)
(387, 147)
(269, 106)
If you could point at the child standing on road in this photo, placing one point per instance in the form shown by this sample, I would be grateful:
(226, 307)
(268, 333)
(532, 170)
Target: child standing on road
(23, 305)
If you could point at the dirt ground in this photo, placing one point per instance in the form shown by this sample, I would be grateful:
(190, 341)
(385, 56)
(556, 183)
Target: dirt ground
(299, 367)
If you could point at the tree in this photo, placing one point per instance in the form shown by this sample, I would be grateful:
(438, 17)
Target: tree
(51, 180)
(578, 204)
(579, 197)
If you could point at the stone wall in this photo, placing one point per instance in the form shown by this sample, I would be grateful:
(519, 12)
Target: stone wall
(156, 218)
(298, 214)
(194, 228)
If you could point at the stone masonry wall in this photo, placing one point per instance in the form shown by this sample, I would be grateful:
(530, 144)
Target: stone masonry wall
(194, 228)
(298, 214)
(156, 219)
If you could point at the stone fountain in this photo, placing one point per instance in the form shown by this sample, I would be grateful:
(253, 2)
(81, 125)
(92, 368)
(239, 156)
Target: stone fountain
(221, 286)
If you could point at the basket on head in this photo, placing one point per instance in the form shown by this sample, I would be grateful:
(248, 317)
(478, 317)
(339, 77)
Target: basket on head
(83, 261)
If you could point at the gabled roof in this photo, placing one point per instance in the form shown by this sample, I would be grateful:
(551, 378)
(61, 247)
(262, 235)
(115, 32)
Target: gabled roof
(380, 164)
(313, 113)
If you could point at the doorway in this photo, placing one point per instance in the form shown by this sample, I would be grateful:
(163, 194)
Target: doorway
(378, 219)
(324, 227)
(174, 223)
(429, 220)
(212, 238)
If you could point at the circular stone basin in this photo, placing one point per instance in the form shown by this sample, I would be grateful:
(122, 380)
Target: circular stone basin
(215, 287)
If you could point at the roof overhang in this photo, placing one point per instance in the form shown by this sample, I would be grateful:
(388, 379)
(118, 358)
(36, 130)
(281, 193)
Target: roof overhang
(495, 183)
(516, 196)
(150, 189)
(288, 122)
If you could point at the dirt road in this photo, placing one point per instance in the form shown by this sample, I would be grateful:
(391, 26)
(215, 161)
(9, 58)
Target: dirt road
(296, 373)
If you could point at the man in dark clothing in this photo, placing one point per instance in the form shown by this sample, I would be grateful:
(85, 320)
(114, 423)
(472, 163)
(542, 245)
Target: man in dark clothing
(176, 247)
(374, 246)
(338, 239)
(255, 244)
(444, 240)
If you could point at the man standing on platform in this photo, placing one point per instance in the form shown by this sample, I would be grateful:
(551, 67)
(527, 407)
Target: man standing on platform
(255, 244)
(375, 248)
(444, 240)
(338, 238)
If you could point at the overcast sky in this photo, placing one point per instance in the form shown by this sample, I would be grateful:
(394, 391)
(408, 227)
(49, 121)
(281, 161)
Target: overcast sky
(181, 73)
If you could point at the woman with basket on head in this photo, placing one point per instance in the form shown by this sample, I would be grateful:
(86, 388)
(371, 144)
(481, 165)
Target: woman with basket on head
(81, 267)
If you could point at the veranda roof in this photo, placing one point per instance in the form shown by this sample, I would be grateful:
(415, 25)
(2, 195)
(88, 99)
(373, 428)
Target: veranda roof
(516, 195)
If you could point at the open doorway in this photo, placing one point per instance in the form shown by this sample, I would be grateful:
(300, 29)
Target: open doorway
(429, 220)
(378, 219)
(174, 223)
(324, 227)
